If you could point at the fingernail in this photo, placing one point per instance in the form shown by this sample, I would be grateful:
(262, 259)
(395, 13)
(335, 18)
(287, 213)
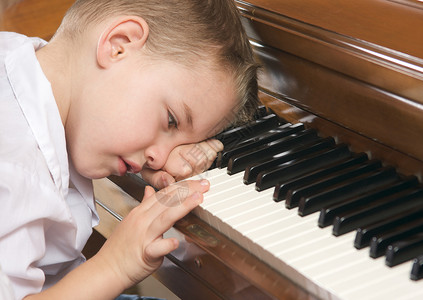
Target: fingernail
(204, 182)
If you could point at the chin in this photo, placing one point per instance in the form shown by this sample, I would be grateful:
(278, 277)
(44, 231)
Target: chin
(92, 173)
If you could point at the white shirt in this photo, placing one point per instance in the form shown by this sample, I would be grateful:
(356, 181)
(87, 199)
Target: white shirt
(44, 224)
(6, 292)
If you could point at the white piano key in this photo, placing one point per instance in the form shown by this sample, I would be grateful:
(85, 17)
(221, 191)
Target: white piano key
(288, 232)
(289, 225)
(235, 203)
(215, 202)
(270, 219)
(330, 276)
(370, 285)
(320, 254)
(230, 213)
(257, 215)
(299, 245)
(385, 290)
(268, 229)
(349, 278)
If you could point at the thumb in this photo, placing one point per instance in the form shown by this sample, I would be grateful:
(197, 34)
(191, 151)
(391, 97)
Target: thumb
(148, 192)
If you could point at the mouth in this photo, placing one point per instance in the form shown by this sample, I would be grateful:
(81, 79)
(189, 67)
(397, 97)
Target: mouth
(128, 167)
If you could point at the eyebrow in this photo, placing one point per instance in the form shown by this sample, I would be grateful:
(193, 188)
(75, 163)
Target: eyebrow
(188, 114)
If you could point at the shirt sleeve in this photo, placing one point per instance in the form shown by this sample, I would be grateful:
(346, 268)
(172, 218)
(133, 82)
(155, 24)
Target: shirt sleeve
(28, 210)
(6, 292)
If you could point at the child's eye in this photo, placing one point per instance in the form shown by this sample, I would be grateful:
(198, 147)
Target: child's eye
(172, 122)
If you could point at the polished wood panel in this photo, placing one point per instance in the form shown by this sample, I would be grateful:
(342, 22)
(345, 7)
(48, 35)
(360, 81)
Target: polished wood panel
(405, 164)
(386, 23)
(370, 90)
(39, 18)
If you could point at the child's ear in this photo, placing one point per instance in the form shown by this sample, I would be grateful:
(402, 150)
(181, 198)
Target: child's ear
(121, 38)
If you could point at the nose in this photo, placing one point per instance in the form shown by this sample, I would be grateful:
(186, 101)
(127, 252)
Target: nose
(156, 156)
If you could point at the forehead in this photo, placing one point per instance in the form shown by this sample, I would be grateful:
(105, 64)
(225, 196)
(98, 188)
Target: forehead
(209, 99)
(200, 94)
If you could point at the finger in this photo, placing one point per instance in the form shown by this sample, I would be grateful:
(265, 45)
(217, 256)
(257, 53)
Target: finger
(198, 159)
(176, 194)
(168, 216)
(148, 192)
(210, 148)
(215, 144)
(165, 180)
(158, 178)
(160, 248)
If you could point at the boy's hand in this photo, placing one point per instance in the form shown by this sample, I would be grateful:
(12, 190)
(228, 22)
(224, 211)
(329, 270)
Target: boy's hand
(184, 161)
(136, 247)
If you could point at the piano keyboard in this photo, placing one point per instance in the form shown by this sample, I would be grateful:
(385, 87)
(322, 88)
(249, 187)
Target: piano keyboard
(316, 211)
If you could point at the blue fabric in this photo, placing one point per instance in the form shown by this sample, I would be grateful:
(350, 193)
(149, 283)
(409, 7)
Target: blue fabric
(136, 297)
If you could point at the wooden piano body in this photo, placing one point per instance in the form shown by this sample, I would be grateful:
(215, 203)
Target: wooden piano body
(351, 69)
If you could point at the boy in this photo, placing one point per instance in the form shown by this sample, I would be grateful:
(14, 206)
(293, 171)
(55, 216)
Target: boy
(123, 86)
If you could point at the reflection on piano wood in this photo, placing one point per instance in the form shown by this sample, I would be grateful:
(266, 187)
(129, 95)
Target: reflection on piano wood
(347, 76)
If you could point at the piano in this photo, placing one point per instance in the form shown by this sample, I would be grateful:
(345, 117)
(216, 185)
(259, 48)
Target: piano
(331, 209)
(323, 200)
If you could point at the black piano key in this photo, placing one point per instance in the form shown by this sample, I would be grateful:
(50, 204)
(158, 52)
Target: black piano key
(380, 243)
(328, 214)
(341, 192)
(323, 159)
(294, 196)
(261, 112)
(257, 141)
(268, 170)
(379, 210)
(365, 234)
(286, 187)
(404, 250)
(234, 135)
(239, 162)
(417, 268)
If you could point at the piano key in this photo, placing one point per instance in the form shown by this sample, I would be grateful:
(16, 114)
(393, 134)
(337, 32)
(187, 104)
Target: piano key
(340, 192)
(233, 135)
(417, 268)
(385, 208)
(272, 239)
(261, 112)
(284, 188)
(258, 215)
(404, 250)
(355, 267)
(332, 157)
(238, 163)
(380, 242)
(370, 286)
(327, 215)
(365, 234)
(305, 189)
(268, 178)
(256, 141)
(238, 202)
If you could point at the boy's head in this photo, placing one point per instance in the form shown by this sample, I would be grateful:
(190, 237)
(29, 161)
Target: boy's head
(165, 73)
(184, 31)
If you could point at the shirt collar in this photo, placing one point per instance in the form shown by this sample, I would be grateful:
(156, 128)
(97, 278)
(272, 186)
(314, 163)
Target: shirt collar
(35, 97)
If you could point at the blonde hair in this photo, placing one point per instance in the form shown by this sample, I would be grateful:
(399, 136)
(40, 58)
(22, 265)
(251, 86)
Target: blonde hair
(185, 31)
